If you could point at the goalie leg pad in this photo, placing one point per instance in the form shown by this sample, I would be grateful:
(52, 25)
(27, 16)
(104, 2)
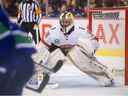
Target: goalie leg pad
(89, 65)
(87, 45)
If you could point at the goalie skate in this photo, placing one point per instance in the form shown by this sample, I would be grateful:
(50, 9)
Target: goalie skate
(111, 83)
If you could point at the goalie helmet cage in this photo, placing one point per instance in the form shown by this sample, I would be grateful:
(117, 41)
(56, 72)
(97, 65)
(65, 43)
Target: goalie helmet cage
(90, 12)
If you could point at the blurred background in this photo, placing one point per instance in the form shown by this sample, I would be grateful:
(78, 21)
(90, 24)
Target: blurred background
(53, 8)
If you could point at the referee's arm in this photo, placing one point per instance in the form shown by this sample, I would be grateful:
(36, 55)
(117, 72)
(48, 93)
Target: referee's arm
(38, 12)
(19, 18)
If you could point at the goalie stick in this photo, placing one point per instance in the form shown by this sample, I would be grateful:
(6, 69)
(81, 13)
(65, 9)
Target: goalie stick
(46, 76)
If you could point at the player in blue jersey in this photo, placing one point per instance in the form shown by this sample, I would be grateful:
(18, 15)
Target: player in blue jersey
(16, 60)
(16, 64)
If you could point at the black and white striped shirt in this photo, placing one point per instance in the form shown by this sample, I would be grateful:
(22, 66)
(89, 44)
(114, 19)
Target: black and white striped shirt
(29, 12)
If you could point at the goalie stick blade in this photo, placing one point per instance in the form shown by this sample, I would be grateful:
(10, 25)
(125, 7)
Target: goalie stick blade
(42, 85)
(44, 82)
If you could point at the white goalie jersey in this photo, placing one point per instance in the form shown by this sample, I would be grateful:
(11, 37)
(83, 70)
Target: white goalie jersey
(74, 37)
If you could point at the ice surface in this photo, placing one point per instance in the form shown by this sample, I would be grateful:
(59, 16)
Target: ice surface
(70, 81)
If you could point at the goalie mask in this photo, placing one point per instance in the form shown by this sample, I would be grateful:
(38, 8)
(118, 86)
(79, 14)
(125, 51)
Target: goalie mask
(66, 21)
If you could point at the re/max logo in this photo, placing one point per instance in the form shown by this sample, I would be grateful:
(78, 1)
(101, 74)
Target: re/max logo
(106, 15)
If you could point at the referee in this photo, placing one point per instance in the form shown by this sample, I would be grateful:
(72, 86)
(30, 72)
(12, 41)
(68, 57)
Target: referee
(29, 16)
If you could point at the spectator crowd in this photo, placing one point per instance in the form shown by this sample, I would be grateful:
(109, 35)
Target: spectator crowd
(53, 8)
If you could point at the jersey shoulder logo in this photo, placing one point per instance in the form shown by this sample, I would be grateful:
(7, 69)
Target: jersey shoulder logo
(56, 41)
